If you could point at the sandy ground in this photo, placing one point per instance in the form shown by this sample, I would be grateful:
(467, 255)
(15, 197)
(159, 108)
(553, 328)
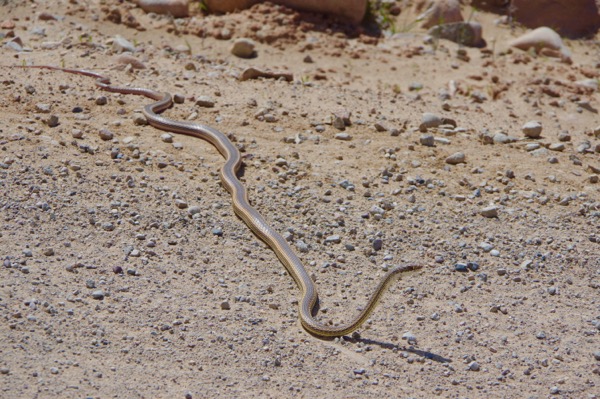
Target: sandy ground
(125, 272)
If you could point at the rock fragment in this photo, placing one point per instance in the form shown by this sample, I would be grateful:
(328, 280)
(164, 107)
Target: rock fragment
(243, 48)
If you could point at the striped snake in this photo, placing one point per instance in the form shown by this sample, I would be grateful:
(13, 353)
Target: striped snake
(244, 210)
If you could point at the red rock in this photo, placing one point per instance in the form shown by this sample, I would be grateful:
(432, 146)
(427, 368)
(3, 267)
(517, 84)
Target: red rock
(570, 18)
(8, 24)
(351, 10)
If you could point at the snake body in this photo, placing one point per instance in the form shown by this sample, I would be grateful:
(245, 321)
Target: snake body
(244, 210)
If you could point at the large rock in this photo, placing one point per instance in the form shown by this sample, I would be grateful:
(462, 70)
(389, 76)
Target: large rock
(350, 10)
(440, 12)
(570, 18)
(176, 8)
(544, 41)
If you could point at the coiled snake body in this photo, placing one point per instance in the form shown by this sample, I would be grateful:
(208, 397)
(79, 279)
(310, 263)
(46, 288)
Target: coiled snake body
(243, 208)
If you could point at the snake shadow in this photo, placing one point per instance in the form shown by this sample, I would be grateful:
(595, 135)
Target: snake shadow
(388, 345)
(355, 338)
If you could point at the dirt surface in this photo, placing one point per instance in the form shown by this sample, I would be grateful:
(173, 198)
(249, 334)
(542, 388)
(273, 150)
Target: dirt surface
(125, 272)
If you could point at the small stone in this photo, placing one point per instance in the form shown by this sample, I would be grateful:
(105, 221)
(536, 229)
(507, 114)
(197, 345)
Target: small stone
(554, 390)
(377, 244)
(181, 204)
(48, 252)
(105, 134)
(474, 366)
(427, 140)
(205, 101)
(596, 356)
(532, 129)
(193, 210)
(456, 158)
(343, 136)
(473, 266)
(429, 120)
(77, 134)
(556, 147)
(334, 239)
(166, 137)
(409, 337)
(217, 231)
(461, 267)
(4, 370)
(490, 211)
(243, 48)
(43, 108)
(225, 305)
(52, 121)
(117, 270)
(54, 370)
(99, 294)
(120, 45)
(564, 136)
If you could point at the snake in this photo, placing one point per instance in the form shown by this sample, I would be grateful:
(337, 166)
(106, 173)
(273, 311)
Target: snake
(242, 208)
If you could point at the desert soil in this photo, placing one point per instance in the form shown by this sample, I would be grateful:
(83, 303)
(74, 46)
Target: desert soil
(125, 272)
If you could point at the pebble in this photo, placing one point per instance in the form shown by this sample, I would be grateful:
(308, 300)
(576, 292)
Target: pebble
(99, 294)
(120, 45)
(564, 136)
(205, 101)
(532, 129)
(490, 211)
(302, 246)
(334, 239)
(343, 136)
(377, 244)
(166, 137)
(4, 370)
(556, 147)
(217, 231)
(461, 267)
(456, 158)
(243, 48)
(43, 108)
(409, 337)
(101, 100)
(597, 355)
(501, 138)
(176, 8)
(225, 305)
(474, 366)
(105, 134)
(193, 210)
(486, 247)
(429, 120)
(427, 140)
(52, 121)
